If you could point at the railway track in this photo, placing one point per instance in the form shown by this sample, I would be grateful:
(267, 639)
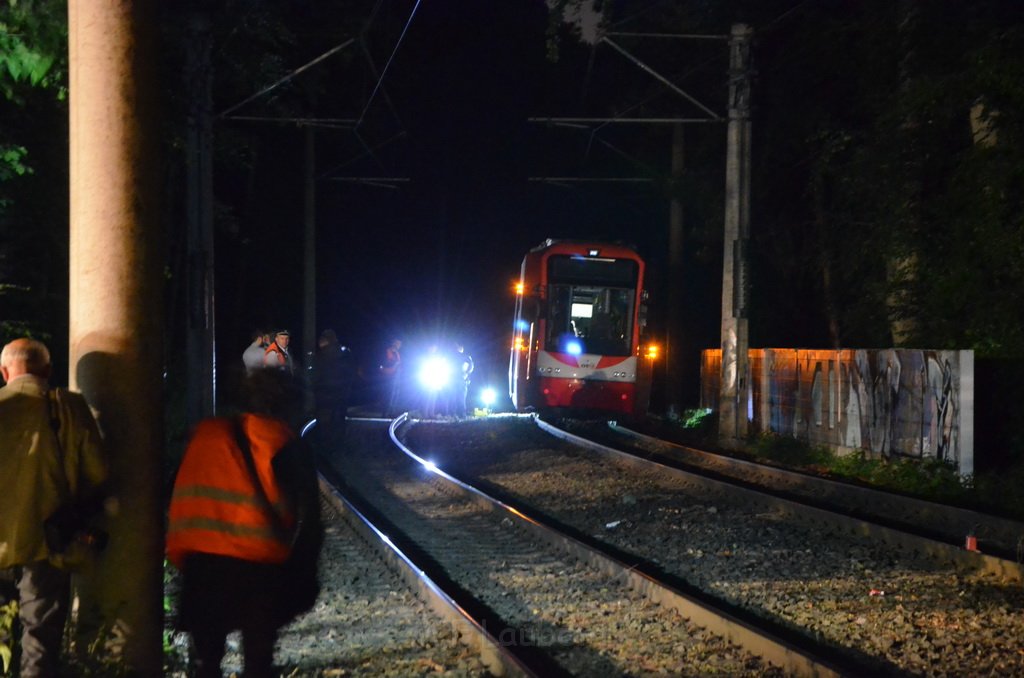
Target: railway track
(908, 523)
(993, 535)
(884, 608)
(368, 619)
(561, 606)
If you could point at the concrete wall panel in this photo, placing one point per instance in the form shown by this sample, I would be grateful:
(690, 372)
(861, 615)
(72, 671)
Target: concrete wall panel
(890, 402)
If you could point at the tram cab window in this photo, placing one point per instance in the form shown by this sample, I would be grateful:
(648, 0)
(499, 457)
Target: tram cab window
(598, 318)
(590, 304)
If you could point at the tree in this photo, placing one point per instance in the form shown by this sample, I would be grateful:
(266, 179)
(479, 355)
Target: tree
(33, 159)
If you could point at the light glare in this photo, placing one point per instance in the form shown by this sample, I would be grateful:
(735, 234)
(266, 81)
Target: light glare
(435, 373)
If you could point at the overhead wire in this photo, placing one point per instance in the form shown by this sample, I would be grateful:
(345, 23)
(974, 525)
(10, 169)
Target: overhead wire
(380, 80)
(287, 77)
(782, 16)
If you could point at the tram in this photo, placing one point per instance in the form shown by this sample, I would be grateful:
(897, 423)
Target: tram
(580, 310)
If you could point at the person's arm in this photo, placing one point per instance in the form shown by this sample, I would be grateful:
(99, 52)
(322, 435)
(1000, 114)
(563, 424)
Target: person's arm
(85, 458)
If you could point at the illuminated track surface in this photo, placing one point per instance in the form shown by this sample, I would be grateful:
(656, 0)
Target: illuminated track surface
(882, 608)
(905, 522)
(567, 608)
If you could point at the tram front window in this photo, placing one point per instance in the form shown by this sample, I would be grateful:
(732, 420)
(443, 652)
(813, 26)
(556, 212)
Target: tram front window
(596, 319)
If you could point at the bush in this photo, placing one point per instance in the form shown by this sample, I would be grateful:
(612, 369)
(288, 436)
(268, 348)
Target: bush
(790, 451)
(696, 427)
(930, 479)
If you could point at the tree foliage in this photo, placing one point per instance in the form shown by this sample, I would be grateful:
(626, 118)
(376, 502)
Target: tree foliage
(877, 204)
(887, 149)
(33, 158)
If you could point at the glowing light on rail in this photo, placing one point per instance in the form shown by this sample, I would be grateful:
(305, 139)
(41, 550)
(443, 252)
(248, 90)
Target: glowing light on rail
(519, 344)
(519, 288)
(430, 466)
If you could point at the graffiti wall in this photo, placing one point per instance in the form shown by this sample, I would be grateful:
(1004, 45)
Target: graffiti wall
(891, 402)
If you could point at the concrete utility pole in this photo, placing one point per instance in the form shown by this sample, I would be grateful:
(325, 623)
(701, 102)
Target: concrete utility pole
(677, 360)
(675, 354)
(116, 319)
(732, 402)
(309, 335)
(201, 392)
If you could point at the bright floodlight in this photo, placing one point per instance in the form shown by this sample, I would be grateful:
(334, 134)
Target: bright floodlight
(488, 396)
(574, 348)
(435, 373)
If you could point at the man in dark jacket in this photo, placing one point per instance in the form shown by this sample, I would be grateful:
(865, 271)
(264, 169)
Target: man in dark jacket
(463, 366)
(332, 383)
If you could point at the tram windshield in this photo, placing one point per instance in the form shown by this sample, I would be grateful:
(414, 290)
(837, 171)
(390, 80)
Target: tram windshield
(590, 305)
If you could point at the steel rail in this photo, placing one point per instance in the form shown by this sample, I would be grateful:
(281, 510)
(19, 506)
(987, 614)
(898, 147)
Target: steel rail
(1000, 533)
(497, 657)
(773, 648)
(808, 514)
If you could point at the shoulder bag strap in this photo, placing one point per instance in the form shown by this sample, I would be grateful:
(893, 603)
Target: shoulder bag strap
(261, 494)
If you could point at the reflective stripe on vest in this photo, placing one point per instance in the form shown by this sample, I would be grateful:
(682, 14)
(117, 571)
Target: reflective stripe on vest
(214, 507)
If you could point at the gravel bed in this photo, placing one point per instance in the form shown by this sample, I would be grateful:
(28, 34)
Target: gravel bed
(589, 623)
(996, 535)
(365, 623)
(906, 613)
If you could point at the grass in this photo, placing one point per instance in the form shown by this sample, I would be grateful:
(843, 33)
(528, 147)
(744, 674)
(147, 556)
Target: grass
(929, 479)
(934, 480)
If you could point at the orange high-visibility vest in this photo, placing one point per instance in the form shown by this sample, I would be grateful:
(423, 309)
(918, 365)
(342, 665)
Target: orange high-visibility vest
(214, 507)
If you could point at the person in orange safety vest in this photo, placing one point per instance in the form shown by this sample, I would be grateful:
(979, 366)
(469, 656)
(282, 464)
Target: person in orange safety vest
(276, 354)
(240, 547)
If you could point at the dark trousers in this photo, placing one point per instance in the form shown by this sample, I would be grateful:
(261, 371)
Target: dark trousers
(389, 396)
(330, 424)
(43, 592)
(257, 649)
(220, 595)
(462, 392)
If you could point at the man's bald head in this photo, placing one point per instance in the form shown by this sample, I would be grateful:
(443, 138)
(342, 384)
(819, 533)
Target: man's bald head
(25, 356)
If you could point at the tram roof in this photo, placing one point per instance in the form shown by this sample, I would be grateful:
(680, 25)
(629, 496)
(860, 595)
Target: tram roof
(587, 248)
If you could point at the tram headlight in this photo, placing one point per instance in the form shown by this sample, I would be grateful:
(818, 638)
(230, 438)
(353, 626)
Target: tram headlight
(435, 373)
(573, 347)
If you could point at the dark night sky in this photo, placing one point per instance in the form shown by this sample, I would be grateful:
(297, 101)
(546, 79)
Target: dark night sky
(436, 256)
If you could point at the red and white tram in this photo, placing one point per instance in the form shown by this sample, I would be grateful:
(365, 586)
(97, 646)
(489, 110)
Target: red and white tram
(578, 320)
